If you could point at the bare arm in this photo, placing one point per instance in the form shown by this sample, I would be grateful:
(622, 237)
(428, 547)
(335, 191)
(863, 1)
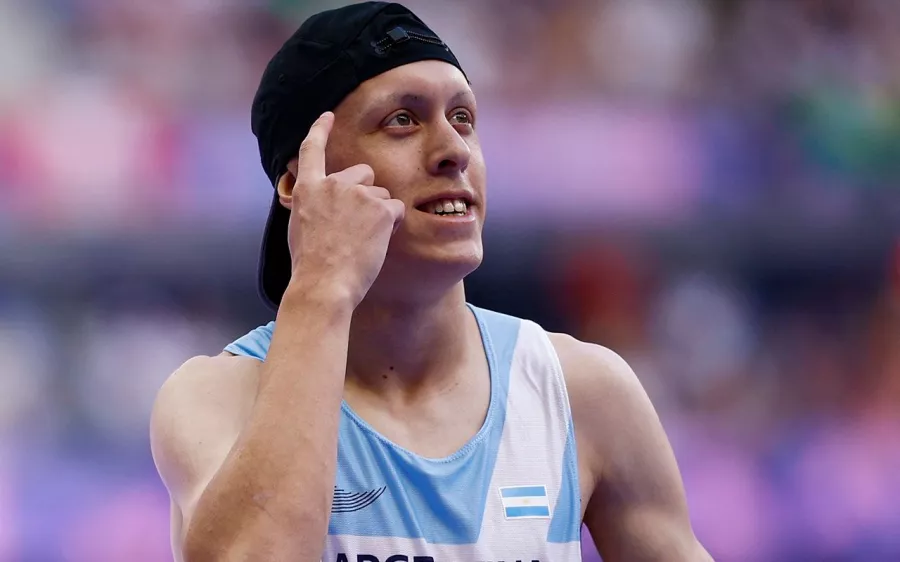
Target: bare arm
(259, 486)
(197, 416)
(254, 478)
(638, 511)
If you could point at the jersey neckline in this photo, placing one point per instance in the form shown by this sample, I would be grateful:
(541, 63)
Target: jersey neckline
(483, 431)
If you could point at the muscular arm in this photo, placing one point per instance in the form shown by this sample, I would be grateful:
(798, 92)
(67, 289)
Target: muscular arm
(637, 511)
(250, 467)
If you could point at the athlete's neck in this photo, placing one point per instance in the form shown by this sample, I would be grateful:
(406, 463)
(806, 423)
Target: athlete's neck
(408, 344)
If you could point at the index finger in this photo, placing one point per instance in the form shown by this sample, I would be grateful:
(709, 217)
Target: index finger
(311, 160)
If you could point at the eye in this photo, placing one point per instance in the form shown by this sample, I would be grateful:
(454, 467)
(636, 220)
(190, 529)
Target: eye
(461, 117)
(400, 120)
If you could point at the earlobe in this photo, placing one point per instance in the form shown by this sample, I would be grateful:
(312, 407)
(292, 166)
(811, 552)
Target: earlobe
(285, 188)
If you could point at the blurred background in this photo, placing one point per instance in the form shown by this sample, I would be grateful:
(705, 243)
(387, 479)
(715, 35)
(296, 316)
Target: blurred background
(708, 187)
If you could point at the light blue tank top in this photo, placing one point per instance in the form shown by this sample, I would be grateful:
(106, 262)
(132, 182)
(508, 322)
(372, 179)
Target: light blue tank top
(510, 494)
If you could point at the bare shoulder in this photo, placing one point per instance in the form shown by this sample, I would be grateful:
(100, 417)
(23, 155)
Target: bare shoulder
(599, 380)
(197, 415)
(586, 358)
(613, 414)
(637, 508)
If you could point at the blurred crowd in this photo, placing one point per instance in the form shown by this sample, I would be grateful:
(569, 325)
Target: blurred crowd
(662, 107)
(708, 187)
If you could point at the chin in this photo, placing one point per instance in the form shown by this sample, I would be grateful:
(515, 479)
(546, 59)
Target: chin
(431, 266)
(459, 254)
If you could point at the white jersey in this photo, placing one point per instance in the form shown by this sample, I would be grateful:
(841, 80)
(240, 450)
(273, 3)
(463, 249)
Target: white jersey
(510, 494)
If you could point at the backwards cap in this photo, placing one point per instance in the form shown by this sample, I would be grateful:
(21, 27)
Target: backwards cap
(331, 54)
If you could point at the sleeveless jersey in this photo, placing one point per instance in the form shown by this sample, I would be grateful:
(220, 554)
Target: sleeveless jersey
(510, 494)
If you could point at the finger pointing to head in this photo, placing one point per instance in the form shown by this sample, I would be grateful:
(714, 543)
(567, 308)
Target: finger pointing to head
(311, 161)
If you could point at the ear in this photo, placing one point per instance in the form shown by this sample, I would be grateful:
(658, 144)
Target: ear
(285, 185)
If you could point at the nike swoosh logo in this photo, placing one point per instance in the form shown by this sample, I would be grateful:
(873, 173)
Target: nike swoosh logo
(347, 502)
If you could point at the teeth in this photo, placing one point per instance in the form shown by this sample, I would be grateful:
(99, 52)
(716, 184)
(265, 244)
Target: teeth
(448, 206)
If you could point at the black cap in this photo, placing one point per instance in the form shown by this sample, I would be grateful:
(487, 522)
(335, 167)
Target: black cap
(331, 54)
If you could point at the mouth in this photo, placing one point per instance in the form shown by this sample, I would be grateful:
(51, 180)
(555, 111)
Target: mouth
(447, 207)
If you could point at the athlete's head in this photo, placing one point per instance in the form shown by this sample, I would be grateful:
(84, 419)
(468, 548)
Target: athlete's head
(403, 106)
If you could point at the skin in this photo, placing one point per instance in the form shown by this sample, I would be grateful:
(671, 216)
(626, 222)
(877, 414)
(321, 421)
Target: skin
(415, 369)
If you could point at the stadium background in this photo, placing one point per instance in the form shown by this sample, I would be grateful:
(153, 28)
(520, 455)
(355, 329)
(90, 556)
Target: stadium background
(710, 188)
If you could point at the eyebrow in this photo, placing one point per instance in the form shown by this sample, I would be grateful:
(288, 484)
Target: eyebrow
(408, 99)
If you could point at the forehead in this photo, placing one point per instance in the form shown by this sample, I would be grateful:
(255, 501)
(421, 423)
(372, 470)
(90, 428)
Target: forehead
(431, 79)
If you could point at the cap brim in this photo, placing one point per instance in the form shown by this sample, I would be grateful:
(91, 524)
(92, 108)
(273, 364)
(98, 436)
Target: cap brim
(275, 256)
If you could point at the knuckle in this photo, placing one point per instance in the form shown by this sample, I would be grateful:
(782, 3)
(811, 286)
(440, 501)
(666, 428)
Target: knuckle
(301, 186)
(359, 192)
(365, 173)
(331, 182)
(386, 210)
(306, 147)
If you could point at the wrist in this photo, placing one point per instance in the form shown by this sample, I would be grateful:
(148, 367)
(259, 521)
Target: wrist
(318, 294)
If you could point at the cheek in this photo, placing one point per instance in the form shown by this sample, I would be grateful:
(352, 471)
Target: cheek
(399, 181)
(398, 169)
(477, 172)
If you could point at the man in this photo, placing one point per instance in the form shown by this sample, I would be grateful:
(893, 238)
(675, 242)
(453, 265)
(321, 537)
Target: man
(380, 418)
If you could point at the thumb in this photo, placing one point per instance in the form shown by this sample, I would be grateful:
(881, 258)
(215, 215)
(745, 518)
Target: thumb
(398, 211)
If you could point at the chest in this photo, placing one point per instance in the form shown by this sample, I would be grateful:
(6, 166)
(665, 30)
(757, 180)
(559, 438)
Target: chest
(433, 426)
(511, 493)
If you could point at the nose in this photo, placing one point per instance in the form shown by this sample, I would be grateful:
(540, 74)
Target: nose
(450, 154)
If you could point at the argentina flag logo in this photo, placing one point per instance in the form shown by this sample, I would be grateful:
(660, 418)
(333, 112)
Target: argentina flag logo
(525, 502)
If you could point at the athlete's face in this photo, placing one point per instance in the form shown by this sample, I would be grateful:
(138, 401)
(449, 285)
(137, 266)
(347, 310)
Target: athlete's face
(415, 126)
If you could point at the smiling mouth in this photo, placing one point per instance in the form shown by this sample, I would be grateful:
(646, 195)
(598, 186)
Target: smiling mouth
(446, 207)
